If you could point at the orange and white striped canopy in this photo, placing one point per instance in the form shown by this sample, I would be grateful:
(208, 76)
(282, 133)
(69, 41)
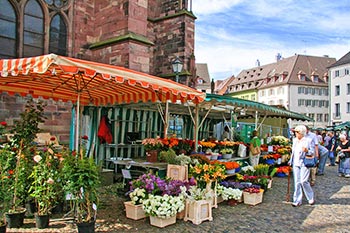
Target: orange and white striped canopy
(65, 78)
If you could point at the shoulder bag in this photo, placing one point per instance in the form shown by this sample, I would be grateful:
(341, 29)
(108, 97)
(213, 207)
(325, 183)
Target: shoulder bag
(310, 161)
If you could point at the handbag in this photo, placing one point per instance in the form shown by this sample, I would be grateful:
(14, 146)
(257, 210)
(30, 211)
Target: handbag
(310, 161)
(255, 150)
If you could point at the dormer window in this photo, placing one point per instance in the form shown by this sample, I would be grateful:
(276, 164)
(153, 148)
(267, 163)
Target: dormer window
(280, 78)
(301, 76)
(315, 78)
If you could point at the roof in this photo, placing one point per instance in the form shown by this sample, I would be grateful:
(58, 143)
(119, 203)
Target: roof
(342, 61)
(284, 71)
(203, 73)
(222, 85)
(251, 106)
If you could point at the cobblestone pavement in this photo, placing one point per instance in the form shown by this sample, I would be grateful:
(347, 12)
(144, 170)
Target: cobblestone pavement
(331, 213)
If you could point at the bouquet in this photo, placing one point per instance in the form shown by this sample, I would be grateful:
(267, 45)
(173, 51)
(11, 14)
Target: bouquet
(163, 206)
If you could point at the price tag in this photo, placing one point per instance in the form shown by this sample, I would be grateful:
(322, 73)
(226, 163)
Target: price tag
(270, 148)
(126, 174)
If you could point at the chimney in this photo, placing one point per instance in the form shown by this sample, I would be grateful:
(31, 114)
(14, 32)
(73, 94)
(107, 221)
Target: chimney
(257, 63)
(278, 57)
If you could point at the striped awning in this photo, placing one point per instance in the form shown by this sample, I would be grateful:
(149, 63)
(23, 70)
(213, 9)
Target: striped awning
(66, 79)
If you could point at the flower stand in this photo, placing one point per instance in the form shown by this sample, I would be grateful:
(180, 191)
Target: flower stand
(198, 211)
(135, 212)
(162, 222)
(252, 198)
(177, 172)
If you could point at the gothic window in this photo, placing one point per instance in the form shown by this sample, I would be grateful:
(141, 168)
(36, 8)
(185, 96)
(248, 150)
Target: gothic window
(8, 30)
(58, 36)
(33, 30)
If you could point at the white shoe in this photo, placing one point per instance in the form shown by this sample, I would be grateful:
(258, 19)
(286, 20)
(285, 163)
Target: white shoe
(311, 202)
(347, 176)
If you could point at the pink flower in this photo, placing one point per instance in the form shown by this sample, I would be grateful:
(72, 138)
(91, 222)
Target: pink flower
(37, 158)
(50, 181)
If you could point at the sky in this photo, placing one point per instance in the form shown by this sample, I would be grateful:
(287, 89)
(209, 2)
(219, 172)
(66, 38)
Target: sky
(231, 35)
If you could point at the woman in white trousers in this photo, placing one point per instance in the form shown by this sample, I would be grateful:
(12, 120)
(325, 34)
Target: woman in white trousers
(301, 146)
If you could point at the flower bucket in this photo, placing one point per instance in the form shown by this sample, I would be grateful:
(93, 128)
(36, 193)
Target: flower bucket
(135, 212)
(3, 228)
(252, 198)
(231, 171)
(86, 227)
(162, 222)
(198, 211)
(214, 157)
(270, 161)
(152, 156)
(227, 156)
(42, 221)
(15, 220)
(281, 174)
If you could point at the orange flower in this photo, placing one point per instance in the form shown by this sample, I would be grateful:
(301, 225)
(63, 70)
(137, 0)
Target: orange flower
(206, 177)
(197, 170)
(205, 167)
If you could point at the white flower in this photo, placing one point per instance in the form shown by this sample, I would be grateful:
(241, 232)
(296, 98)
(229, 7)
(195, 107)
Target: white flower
(163, 206)
(50, 181)
(137, 196)
(248, 168)
(37, 158)
(231, 193)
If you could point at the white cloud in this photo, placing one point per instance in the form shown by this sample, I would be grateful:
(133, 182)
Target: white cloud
(232, 35)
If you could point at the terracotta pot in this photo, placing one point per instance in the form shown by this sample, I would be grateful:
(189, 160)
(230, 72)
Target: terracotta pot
(152, 156)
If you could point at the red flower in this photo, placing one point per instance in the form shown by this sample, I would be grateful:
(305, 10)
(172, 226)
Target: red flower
(3, 123)
(52, 138)
(85, 137)
(11, 172)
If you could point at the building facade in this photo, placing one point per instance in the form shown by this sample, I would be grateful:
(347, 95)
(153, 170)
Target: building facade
(142, 35)
(339, 88)
(298, 83)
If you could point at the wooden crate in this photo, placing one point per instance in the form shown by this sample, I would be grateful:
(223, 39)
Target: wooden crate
(198, 211)
(252, 198)
(162, 222)
(177, 172)
(134, 211)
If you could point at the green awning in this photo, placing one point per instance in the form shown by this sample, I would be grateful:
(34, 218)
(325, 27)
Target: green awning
(250, 107)
(343, 126)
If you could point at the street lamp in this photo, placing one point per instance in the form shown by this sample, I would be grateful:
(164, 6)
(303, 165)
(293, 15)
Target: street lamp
(177, 67)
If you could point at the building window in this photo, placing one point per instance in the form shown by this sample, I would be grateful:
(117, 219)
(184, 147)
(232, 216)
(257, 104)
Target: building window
(348, 107)
(337, 90)
(312, 116)
(280, 101)
(326, 117)
(315, 78)
(319, 117)
(27, 38)
(58, 36)
(252, 97)
(336, 73)
(347, 71)
(348, 89)
(33, 30)
(8, 35)
(337, 110)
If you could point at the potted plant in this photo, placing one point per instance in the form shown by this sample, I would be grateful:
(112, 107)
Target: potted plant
(134, 208)
(226, 153)
(232, 195)
(177, 168)
(81, 180)
(162, 209)
(253, 195)
(45, 176)
(152, 147)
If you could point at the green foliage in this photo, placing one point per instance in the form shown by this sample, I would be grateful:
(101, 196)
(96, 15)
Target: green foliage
(81, 176)
(262, 170)
(168, 156)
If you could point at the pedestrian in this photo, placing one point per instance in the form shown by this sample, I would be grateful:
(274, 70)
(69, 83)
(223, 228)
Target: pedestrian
(314, 144)
(326, 140)
(323, 154)
(332, 146)
(300, 148)
(344, 161)
(226, 134)
(254, 149)
(319, 137)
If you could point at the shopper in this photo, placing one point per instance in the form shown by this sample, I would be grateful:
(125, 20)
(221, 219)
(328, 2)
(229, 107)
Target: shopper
(344, 161)
(300, 148)
(323, 154)
(332, 146)
(254, 149)
(226, 134)
(314, 144)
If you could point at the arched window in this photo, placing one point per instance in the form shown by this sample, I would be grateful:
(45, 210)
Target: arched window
(58, 36)
(8, 30)
(33, 30)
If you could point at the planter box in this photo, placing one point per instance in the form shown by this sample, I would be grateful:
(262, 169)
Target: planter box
(252, 198)
(198, 211)
(162, 222)
(134, 211)
(219, 199)
(177, 172)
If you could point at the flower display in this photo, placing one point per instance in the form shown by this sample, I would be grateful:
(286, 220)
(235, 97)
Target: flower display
(229, 193)
(249, 170)
(204, 173)
(226, 151)
(273, 156)
(231, 165)
(137, 196)
(165, 206)
(284, 169)
(196, 193)
(280, 140)
(253, 190)
(209, 145)
(152, 143)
